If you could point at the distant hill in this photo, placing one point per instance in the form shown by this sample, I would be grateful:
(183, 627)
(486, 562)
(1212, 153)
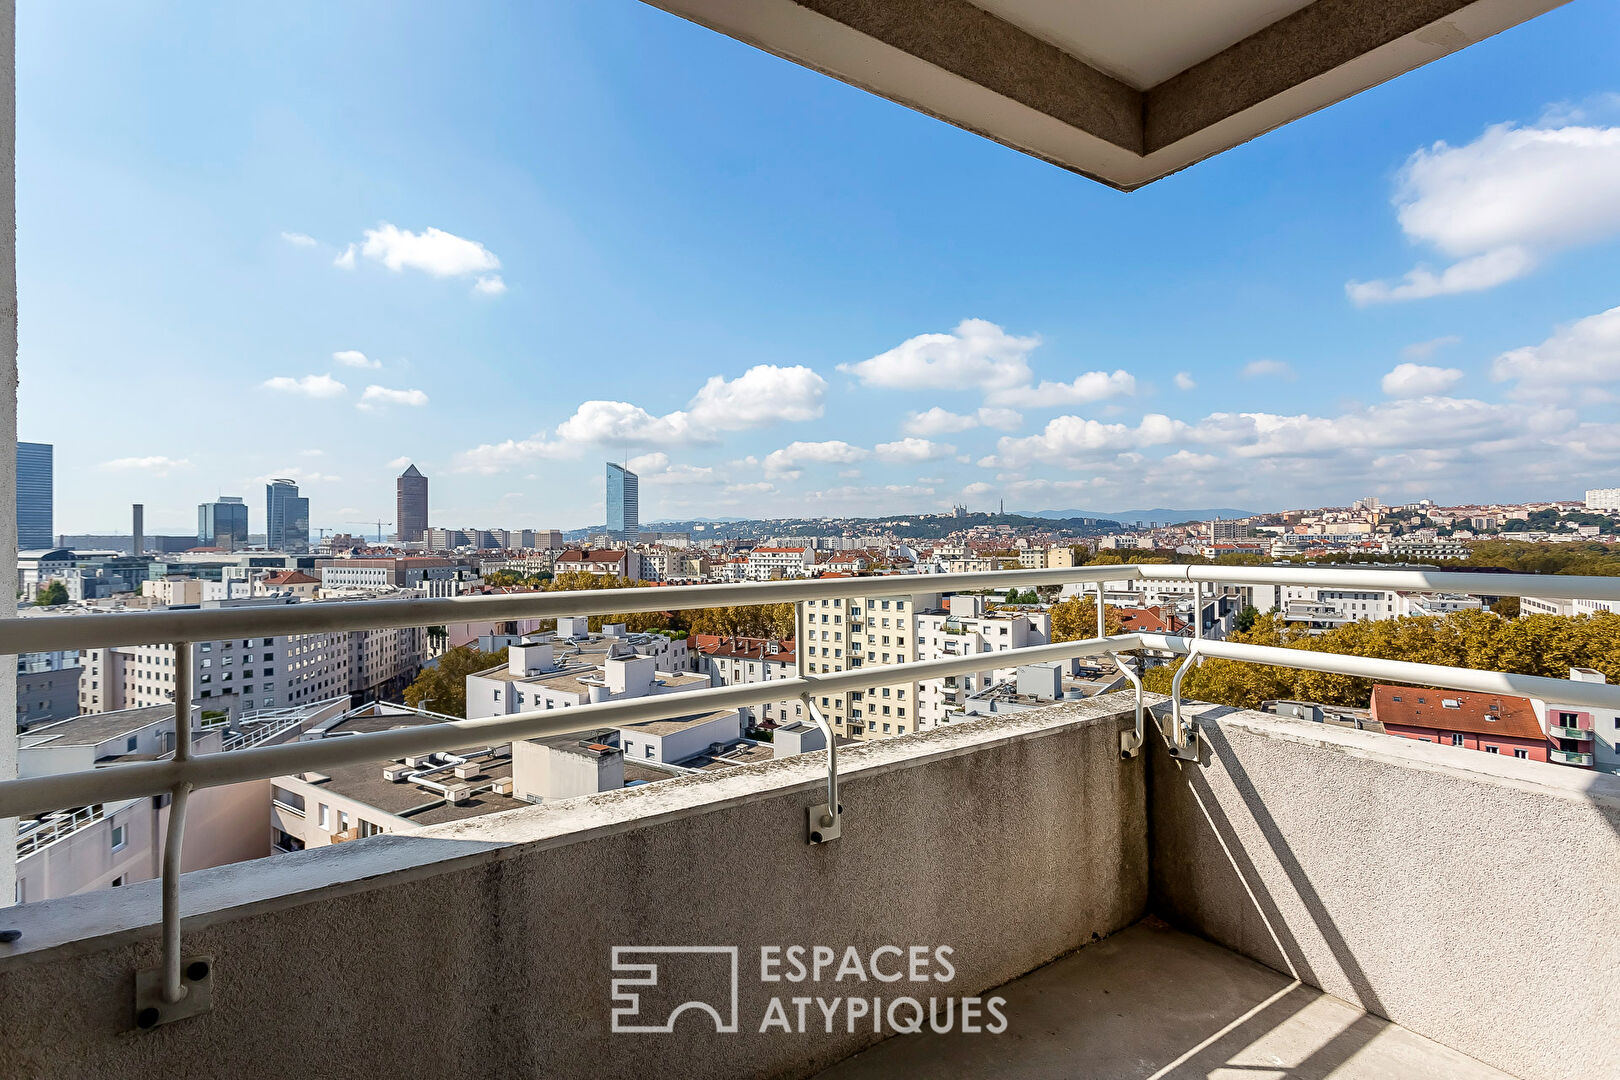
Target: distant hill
(1161, 515)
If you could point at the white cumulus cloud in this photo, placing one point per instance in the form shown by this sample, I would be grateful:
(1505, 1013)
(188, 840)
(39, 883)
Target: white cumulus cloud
(1585, 351)
(156, 465)
(1092, 386)
(1419, 380)
(355, 358)
(764, 394)
(912, 450)
(298, 239)
(1498, 205)
(1185, 381)
(432, 251)
(377, 397)
(315, 386)
(831, 452)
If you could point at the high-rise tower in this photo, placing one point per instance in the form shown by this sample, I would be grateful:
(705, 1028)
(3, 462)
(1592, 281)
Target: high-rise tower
(623, 502)
(411, 505)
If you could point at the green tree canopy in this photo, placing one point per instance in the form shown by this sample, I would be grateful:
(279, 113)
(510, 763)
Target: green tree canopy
(442, 688)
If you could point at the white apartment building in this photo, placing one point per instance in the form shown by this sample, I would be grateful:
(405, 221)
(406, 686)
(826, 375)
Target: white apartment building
(243, 675)
(1549, 605)
(865, 632)
(351, 802)
(1582, 729)
(964, 628)
(173, 592)
(1603, 498)
(680, 738)
(745, 661)
(106, 845)
(545, 672)
(769, 563)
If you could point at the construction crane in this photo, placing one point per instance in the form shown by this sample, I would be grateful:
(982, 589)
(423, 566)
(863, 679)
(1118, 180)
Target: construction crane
(380, 524)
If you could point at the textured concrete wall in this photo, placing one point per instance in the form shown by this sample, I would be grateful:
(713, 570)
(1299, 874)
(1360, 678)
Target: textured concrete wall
(485, 946)
(1466, 896)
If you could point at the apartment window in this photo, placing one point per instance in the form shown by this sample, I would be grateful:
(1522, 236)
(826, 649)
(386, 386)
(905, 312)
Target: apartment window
(120, 837)
(1521, 753)
(129, 745)
(1493, 749)
(900, 730)
(649, 750)
(324, 817)
(1456, 740)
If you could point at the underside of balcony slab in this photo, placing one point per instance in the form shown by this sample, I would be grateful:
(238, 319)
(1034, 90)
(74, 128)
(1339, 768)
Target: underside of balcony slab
(1154, 1003)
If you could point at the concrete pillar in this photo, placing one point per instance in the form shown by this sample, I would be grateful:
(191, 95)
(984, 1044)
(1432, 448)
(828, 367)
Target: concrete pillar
(8, 423)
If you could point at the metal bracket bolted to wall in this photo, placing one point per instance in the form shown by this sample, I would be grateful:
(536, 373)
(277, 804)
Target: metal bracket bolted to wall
(1130, 742)
(825, 821)
(183, 986)
(1182, 736)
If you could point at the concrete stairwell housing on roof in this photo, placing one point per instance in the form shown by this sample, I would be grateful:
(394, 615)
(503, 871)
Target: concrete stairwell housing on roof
(1124, 93)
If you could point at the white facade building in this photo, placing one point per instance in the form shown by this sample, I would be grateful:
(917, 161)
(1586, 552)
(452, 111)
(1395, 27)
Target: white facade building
(964, 628)
(768, 563)
(1603, 499)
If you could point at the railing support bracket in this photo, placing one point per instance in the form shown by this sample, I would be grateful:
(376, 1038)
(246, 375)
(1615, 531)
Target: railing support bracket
(153, 1008)
(1130, 742)
(824, 822)
(1181, 735)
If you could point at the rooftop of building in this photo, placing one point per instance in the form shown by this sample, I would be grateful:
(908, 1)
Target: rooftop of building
(90, 729)
(676, 724)
(1149, 620)
(1454, 710)
(744, 648)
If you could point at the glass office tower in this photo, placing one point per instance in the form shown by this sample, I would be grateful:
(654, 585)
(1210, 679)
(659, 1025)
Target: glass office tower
(411, 505)
(223, 523)
(35, 489)
(623, 502)
(286, 517)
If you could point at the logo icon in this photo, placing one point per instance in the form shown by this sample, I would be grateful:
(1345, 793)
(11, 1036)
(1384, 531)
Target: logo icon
(705, 975)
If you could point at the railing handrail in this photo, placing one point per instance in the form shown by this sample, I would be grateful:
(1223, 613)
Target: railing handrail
(48, 633)
(136, 779)
(22, 634)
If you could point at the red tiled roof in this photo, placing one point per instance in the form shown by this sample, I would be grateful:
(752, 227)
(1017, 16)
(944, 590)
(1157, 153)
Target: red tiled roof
(290, 577)
(600, 555)
(743, 648)
(1149, 620)
(1478, 714)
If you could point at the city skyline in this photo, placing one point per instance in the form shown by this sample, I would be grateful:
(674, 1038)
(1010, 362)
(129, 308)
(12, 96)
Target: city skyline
(1357, 320)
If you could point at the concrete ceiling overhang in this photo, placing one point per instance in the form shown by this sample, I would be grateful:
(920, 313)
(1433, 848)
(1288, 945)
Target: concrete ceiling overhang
(1122, 91)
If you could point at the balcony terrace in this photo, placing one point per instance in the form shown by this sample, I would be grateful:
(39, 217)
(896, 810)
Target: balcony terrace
(1219, 890)
(1156, 888)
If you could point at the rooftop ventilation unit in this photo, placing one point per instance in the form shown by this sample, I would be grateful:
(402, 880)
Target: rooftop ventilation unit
(396, 773)
(457, 793)
(502, 786)
(467, 771)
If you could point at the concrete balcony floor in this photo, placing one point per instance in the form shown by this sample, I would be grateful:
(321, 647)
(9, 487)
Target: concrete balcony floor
(1153, 1003)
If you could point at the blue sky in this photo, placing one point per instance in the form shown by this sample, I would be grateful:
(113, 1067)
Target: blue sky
(543, 235)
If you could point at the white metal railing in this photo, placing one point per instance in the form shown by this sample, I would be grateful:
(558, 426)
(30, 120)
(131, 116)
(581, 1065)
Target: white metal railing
(261, 732)
(49, 830)
(163, 999)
